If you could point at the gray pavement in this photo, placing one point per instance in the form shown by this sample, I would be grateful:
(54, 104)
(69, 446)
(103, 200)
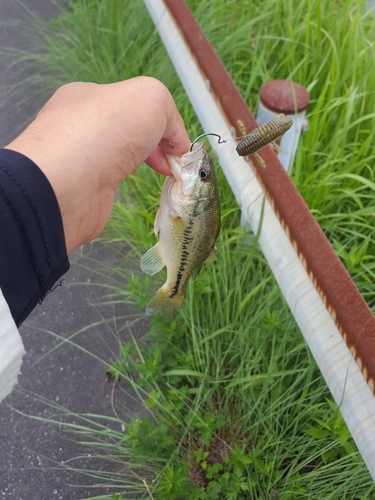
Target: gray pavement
(33, 452)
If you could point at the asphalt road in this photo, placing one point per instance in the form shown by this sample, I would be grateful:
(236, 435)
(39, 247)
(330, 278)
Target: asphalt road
(34, 453)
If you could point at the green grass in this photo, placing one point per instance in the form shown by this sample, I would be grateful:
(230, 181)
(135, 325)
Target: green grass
(234, 404)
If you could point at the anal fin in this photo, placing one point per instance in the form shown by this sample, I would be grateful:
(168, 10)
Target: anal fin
(152, 261)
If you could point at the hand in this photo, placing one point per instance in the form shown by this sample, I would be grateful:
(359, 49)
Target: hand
(88, 137)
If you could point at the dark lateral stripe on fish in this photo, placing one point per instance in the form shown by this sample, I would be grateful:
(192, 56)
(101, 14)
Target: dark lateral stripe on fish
(183, 260)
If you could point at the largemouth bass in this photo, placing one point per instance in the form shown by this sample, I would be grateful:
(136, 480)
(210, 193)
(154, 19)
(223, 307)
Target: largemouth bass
(188, 221)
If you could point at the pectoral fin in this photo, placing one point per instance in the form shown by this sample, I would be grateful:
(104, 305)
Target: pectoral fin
(212, 256)
(152, 261)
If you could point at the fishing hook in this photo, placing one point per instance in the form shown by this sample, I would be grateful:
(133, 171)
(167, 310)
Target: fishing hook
(220, 141)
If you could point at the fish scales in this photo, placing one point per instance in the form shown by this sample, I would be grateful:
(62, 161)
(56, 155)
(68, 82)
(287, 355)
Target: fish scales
(263, 135)
(188, 224)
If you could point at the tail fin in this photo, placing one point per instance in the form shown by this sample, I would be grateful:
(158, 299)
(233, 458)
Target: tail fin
(162, 300)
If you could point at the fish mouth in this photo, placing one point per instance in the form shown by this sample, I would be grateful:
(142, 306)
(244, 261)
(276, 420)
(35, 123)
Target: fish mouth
(188, 161)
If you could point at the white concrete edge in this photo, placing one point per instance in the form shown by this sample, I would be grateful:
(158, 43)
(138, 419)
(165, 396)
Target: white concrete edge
(343, 377)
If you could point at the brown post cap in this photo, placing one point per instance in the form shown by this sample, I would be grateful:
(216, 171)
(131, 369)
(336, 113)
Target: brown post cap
(282, 96)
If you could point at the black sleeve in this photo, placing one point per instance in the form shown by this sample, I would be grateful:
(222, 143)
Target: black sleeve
(32, 243)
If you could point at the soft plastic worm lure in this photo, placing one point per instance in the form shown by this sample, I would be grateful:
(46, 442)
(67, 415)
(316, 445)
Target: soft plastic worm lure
(263, 135)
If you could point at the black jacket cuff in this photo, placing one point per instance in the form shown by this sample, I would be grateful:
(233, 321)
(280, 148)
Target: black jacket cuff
(32, 243)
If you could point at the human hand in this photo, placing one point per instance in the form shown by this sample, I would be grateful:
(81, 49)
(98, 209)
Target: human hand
(88, 137)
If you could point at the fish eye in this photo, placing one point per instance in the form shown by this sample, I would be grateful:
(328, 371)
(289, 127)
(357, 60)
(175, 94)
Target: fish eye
(204, 174)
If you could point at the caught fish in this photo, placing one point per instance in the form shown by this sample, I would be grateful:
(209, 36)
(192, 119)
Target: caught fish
(263, 135)
(188, 221)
